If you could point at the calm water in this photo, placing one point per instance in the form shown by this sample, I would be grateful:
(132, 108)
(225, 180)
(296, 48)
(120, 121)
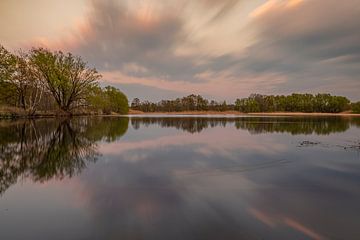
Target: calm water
(180, 178)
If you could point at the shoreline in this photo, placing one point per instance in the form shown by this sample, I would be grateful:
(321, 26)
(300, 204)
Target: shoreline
(9, 116)
(344, 114)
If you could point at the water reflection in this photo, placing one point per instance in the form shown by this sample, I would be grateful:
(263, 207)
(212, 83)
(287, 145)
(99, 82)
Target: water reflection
(216, 178)
(255, 125)
(47, 149)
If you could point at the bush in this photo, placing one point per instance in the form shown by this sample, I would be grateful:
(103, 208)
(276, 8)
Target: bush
(355, 107)
(108, 100)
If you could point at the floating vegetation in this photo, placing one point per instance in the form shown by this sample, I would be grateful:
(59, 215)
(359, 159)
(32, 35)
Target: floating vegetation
(355, 145)
(308, 143)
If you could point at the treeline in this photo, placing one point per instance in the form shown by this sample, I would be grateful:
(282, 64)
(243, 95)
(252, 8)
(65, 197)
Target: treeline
(322, 103)
(44, 80)
(189, 103)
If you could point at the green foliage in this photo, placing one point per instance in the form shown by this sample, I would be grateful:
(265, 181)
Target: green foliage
(7, 70)
(254, 103)
(7, 64)
(324, 103)
(19, 83)
(46, 80)
(67, 77)
(247, 105)
(188, 103)
(355, 107)
(96, 98)
(117, 101)
(108, 100)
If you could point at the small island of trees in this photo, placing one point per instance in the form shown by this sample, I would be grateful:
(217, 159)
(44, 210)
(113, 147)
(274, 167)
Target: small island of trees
(43, 82)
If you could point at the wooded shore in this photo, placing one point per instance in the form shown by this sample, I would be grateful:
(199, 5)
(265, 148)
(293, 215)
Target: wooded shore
(344, 114)
(16, 113)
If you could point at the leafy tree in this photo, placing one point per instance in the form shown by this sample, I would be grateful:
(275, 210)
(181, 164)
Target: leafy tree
(117, 101)
(67, 77)
(7, 64)
(20, 82)
(96, 99)
(108, 100)
(135, 104)
(7, 69)
(355, 107)
(247, 105)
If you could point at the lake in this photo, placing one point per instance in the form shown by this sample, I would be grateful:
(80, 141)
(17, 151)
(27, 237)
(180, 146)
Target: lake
(180, 177)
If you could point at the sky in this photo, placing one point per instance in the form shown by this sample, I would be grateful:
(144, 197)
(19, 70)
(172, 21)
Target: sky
(221, 49)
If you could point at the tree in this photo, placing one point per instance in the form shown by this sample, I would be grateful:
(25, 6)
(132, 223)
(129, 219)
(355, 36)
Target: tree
(108, 100)
(28, 84)
(7, 69)
(355, 107)
(20, 81)
(117, 101)
(293, 103)
(96, 99)
(247, 105)
(135, 104)
(7, 64)
(67, 77)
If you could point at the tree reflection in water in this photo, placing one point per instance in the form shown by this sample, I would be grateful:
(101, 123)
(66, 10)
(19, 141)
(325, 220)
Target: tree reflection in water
(52, 149)
(255, 125)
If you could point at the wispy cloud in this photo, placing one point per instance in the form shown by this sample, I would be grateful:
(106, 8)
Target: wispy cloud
(225, 49)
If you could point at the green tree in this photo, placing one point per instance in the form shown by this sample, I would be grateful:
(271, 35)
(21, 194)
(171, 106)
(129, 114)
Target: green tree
(67, 77)
(20, 83)
(116, 100)
(108, 100)
(97, 99)
(135, 104)
(355, 107)
(7, 70)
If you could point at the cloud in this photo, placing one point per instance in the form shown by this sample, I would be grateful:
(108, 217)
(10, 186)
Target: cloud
(221, 84)
(316, 43)
(224, 49)
(317, 30)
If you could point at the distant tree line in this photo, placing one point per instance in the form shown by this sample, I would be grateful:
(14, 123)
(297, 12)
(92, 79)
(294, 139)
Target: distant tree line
(189, 103)
(41, 79)
(322, 103)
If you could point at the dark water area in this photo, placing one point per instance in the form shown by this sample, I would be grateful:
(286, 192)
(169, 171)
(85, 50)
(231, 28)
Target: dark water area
(180, 178)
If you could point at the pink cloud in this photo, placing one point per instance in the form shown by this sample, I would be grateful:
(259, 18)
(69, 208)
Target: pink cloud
(218, 84)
